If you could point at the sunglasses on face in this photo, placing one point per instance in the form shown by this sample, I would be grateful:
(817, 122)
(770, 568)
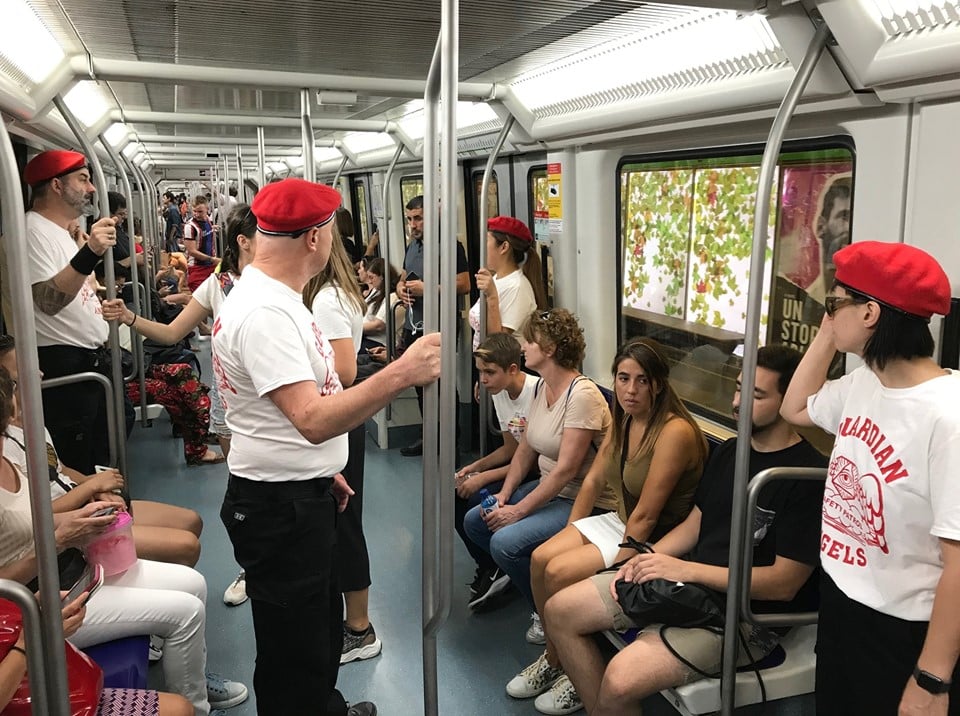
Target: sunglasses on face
(832, 304)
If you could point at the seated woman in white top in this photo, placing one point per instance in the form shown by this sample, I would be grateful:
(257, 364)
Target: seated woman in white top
(375, 321)
(511, 283)
(148, 598)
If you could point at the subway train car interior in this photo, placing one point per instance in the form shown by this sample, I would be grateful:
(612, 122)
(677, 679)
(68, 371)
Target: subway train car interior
(682, 172)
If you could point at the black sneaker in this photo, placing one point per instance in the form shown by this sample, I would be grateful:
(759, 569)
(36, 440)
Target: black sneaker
(413, 449)
(359, 646)
(477, 580)
(493, 582)
(364, 708)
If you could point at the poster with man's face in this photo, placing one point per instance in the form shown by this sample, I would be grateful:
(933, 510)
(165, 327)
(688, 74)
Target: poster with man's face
(814, 225)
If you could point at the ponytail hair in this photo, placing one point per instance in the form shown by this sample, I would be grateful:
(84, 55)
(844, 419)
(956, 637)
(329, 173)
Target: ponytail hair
(525, 256)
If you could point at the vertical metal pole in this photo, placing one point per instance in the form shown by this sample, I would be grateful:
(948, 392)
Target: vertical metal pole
(761, 217)
(385, 251)
(336, 177)
(306, 137)
(109, 278)
(484, 217)
(431, 395)
(33, 631)
(261, 157)
(52, 675)
(135, 337)
(241, 186)
(150, 229)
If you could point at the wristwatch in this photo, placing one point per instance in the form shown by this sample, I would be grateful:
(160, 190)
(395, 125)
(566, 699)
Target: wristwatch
(928, 682)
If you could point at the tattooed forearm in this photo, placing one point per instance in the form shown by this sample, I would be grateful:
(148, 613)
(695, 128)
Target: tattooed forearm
(49, 298)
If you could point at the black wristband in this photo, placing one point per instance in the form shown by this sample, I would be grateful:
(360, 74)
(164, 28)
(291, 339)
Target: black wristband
(17, 648)
(85, 261)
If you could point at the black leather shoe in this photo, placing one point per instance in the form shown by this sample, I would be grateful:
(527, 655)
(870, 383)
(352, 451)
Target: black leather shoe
(413, 449)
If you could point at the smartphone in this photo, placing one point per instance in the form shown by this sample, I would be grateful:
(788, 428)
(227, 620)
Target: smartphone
(89, 581)
(106, 511)
(102, 468)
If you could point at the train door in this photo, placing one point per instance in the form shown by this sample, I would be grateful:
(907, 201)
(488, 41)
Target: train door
(361, 201)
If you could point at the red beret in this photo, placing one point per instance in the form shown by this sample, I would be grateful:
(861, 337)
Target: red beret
(50, 165)
(510, 226)
(898, 275)
(292, 206)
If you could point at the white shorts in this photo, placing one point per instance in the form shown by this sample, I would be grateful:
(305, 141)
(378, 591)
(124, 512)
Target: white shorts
(605, 532)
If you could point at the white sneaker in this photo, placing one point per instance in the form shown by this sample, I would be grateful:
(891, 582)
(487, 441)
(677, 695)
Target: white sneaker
(534, 680)
(535, 633)
(562, 698)
(236, 593)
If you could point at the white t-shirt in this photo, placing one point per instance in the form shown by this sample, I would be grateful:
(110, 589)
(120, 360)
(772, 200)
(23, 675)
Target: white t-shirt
(381, 314)
(337, 316)
(517, 302)
(209, 294)
(582, 406)
(891, 489)
(512, 414)
(16, 522)
(79, 323)
(265, 338)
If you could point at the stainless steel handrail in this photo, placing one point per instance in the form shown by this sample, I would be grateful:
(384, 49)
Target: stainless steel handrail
(135, 338)
(54, 667)
(148, 223)
(111, 410)
(759, 481)
(306, 137)
(261, 157)
(336, 177)
(109, 276)
(385, 254)
(484, 218)
(738, 526)
(33, 632)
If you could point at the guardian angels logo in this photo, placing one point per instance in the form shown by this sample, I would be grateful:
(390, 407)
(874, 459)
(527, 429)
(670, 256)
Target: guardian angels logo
(853, 504)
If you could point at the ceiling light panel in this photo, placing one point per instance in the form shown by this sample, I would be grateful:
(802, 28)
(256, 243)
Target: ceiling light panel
(358, 142)
(87, 102)
(702, 47)
(26, 44)
(902, 17)
(470, 116)
(116, 133)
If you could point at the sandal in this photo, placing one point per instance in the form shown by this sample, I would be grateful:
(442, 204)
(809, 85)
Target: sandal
(215, 460)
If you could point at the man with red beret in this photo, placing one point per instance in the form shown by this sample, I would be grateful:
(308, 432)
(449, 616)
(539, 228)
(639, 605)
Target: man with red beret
(410, 291)
(70, 330)
(889, 629)
(289, 416)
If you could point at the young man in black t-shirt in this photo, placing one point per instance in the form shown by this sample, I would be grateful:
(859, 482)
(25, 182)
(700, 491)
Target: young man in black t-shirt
(786, 551)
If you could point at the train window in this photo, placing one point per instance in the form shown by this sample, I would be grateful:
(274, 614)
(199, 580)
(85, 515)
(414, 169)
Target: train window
(686, 234)
(493, 198)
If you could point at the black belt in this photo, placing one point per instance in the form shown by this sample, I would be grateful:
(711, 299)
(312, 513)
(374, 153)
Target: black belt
(278, 491)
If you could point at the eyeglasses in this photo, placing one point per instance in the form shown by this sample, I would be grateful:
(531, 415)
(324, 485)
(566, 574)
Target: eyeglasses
(832, 304)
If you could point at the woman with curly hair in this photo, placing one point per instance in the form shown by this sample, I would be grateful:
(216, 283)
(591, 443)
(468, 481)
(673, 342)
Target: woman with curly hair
(565, 427)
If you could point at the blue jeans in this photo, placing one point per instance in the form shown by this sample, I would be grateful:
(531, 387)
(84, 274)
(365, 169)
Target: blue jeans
(512, 546)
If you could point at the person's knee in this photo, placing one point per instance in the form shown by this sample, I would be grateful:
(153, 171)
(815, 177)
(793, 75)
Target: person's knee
(540, 560)
(558, 574)
(174, 705)
(186, 549)
(620, 682)
(195, 526)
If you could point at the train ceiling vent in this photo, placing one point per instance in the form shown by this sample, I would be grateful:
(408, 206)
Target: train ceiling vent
(699, 48)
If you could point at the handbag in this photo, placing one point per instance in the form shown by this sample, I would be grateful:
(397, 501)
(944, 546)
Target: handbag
(84, 677)
(676, 604)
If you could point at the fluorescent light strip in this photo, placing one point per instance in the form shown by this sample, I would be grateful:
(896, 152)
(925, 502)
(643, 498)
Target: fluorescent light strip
(27, 43)
(702, 48)
(358, 142)
(469, 115)
(87, 102)
(901, 17)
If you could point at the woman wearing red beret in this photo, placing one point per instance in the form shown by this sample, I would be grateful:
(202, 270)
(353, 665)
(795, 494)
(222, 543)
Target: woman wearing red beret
(889, 631)
(511, 283)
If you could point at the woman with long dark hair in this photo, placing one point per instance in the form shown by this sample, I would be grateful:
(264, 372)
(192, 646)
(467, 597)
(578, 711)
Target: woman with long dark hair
(651, 459)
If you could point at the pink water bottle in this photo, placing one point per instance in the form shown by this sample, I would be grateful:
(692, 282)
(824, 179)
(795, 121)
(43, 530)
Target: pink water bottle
(114, 549)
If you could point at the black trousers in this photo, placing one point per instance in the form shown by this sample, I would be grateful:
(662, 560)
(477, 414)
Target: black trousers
(284, 535)
(76, 414)
(864, 657)
(352, 557)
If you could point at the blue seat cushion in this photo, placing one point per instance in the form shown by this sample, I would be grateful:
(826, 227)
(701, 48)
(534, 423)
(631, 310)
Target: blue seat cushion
(124, 662)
